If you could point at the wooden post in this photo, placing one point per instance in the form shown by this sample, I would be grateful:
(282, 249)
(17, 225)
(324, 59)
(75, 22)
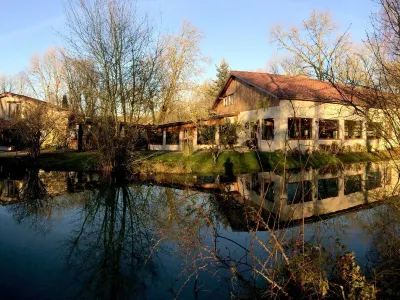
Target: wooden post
(80, 137)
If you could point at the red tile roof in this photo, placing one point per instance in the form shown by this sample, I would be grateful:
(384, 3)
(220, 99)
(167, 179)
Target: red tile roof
(294, 87)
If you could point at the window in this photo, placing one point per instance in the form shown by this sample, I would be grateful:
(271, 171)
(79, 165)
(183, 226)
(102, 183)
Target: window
(255, 185)
(269, 193)
(228, 100)
(352, 129)
(156, 137)
(374, 130)
(352, 184)
(268, 129)
(298, 191)
(389, 129)
(374, 180)
(328, 129)
(205, 179)
(299, 128)
(172, 137)
(328, 188)
(387, 175)
(13, 110)
(187, 134)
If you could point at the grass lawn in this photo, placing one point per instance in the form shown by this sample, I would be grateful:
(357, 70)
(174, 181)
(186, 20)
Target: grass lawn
(233, 162)
(200, 162)
(68, 161)
(54, 160)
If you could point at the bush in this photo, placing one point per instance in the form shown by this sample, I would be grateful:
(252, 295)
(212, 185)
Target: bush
(206, 135)
(228, 134)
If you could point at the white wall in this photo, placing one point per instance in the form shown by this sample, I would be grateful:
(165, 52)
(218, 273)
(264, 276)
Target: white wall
(301, 109)
(316, 111)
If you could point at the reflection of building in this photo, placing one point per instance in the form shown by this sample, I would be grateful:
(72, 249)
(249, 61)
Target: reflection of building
(55, 183)
(9, 190)
(322, 194)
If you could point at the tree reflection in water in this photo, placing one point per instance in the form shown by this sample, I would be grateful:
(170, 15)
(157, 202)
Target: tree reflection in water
(111, 249)
(35, 205)
(120, 229)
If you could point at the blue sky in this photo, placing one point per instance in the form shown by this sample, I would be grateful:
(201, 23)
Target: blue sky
(237, 30)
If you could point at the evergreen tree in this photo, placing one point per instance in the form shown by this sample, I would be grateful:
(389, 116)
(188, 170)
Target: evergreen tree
(65, 102)
(223, 71)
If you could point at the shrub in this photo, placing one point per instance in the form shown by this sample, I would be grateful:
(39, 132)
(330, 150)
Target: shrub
(206, 135)
(228, 134)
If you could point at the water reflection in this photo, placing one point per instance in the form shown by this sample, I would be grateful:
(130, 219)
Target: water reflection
(192, 236)
(312, 193)
(111, 248)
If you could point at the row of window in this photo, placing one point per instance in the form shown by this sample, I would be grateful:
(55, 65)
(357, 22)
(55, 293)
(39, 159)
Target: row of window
(301, 128)
(328, 188)
(228, 100)
(298, 192)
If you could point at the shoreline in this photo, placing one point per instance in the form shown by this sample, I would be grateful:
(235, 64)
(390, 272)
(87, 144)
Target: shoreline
(229, 162)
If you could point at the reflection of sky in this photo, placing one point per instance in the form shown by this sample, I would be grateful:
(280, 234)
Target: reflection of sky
(30, 262)
(33, 264)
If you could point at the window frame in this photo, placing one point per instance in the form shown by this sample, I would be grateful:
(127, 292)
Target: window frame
(307, 196)
(14, 109)
(346, 132)
(377, 126)
(228, 100)
(327, 121)
(172, 137)
(295, 119)
(263, 133)
(324, 191)
(356, 184)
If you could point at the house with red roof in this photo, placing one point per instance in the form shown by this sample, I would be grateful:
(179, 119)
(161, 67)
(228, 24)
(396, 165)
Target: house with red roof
(291, 112)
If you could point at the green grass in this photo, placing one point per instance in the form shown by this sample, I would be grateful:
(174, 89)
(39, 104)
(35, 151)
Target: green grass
(246, 162)
(68, 161)
(56, 161)
(200, 162)
(203, 162)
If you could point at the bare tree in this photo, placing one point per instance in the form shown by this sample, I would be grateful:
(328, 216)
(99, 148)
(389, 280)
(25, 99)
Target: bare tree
(38, 124)
(46, 76)
(182, 63)
(312, 48)
(81, 80)
(18, 83)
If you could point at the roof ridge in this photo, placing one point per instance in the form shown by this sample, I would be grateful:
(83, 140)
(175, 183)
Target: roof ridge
(282, 75)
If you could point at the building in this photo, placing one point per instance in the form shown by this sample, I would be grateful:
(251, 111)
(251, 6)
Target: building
(14, 106)
(278, 112)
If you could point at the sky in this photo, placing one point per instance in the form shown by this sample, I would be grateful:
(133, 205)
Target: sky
(236, 30)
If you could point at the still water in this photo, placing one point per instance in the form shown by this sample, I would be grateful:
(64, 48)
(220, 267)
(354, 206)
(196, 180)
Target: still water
(73, 235)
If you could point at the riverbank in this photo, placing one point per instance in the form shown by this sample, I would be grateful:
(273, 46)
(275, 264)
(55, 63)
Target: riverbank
(201, 162)
(54, 160)
(233, 162)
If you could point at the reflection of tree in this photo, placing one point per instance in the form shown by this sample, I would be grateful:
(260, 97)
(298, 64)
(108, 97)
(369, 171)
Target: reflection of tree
(384, 227)
(36, 205)
(112, 248)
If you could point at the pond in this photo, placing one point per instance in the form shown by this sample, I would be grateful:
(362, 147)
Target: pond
(77, 235)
